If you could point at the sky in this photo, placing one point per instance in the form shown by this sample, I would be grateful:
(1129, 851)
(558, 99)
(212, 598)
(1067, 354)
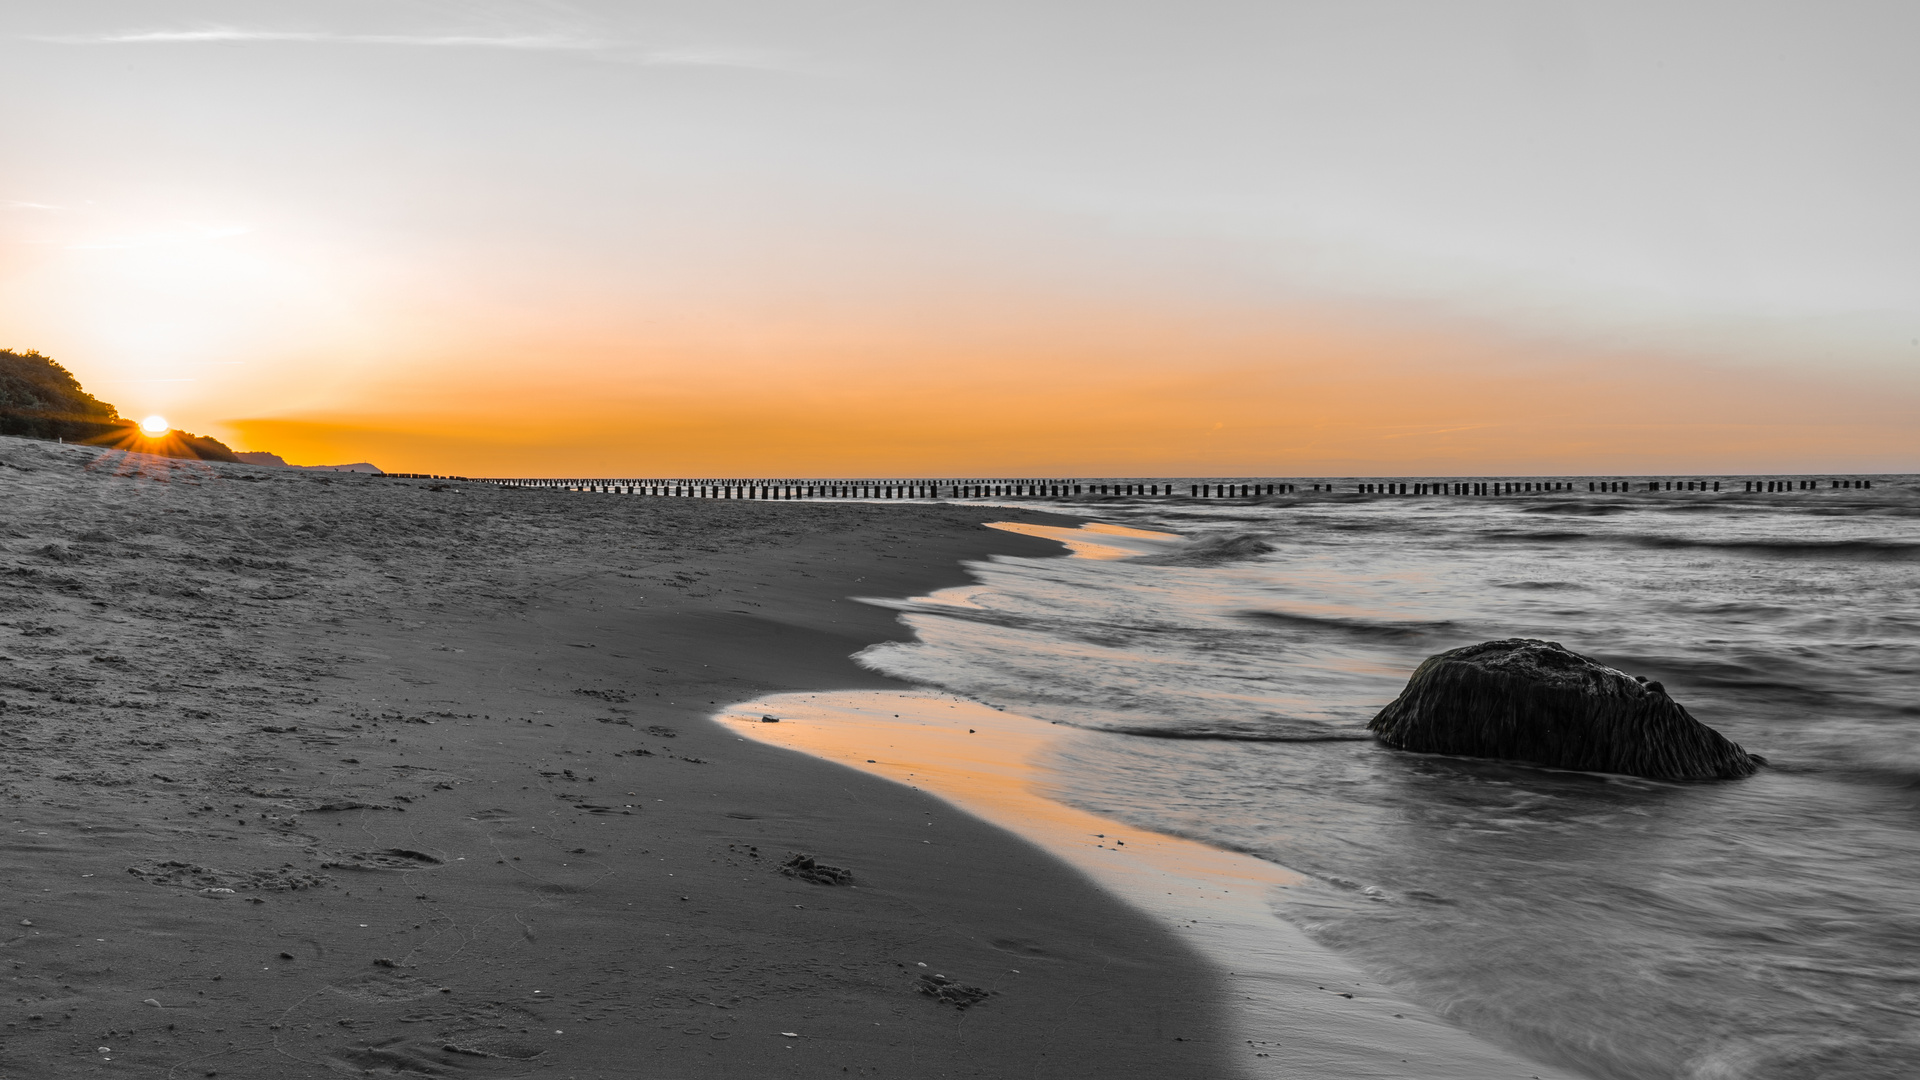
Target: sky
(795, 238)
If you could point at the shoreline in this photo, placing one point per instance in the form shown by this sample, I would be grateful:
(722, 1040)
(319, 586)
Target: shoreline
(416, 780)
(1295, 1007)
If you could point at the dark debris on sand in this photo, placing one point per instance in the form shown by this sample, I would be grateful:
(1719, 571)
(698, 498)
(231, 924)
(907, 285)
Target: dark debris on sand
(946, 991)
(807, 868)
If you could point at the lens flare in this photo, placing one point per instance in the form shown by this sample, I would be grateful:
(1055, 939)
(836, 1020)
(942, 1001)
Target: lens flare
(154, 426)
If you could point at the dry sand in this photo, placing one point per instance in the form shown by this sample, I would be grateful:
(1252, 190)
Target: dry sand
(312, 774)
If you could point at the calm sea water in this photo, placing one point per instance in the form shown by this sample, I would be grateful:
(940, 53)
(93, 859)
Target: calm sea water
(1766, 928)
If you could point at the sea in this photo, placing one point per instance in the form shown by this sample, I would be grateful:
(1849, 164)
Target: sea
(1220, 658)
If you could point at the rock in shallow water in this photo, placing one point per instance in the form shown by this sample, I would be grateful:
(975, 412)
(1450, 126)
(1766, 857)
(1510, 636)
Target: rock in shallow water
(1537, 701)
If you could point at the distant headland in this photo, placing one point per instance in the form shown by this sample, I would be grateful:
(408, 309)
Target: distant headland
(275, 461)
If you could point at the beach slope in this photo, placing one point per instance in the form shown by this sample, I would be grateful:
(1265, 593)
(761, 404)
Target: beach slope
(310, 774)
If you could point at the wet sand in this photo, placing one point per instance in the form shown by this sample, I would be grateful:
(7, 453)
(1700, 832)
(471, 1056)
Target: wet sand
(314, 774)
(1295, 1008)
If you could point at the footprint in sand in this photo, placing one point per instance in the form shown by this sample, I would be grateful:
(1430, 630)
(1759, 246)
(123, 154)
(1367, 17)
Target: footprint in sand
(415, 1057)
(384, 859)
(387, 985)
(217, 882)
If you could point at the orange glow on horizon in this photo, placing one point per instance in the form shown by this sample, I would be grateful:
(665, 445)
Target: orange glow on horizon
(750, 361)
(1101, 394)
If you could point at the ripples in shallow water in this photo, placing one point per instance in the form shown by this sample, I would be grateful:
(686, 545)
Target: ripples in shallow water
(1626, 928)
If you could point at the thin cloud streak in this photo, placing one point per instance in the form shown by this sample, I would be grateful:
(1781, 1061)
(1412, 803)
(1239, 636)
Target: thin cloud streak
(233, 35)
(225, 34)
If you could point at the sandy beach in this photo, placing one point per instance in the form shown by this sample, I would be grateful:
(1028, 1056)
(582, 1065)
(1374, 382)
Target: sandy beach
(1015, 542)
(320, 774)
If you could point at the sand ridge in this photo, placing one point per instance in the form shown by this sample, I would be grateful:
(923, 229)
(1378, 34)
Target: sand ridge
(310, 775)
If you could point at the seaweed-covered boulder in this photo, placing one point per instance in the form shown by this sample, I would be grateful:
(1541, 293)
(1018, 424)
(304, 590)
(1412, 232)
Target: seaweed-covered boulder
(1539, 702)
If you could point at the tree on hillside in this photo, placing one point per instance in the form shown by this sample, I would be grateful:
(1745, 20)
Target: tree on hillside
(39, 399)
(42, 400)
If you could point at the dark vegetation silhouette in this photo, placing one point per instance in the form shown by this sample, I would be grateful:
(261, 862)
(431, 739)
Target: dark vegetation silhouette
(39, 399)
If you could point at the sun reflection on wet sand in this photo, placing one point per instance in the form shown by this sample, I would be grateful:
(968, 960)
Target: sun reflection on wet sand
(1098, 540)
(976, 756)
(1294, 1008)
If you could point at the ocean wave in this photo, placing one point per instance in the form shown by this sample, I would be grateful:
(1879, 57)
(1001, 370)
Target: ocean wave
(1797, 1057)
(1046, 624)
(1777, 680)
(1883, 756)
(1581, 507)
(1889, 550)
(1888, 510)
(1541, 536)
(1304, 733)
(1744, 608)
(1214, 550)
(1861, 548)
(1376, 629)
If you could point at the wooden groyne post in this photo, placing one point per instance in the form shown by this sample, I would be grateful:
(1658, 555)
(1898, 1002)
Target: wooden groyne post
(1207, 490)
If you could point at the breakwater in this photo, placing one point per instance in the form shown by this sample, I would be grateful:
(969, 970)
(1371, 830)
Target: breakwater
(1185, 488)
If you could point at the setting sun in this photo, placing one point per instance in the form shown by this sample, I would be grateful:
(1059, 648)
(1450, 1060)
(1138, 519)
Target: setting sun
(155, 426)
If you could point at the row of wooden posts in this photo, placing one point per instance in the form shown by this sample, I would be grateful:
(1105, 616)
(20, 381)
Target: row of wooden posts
(891, 489)
(1058, 489)
(1548, 487)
